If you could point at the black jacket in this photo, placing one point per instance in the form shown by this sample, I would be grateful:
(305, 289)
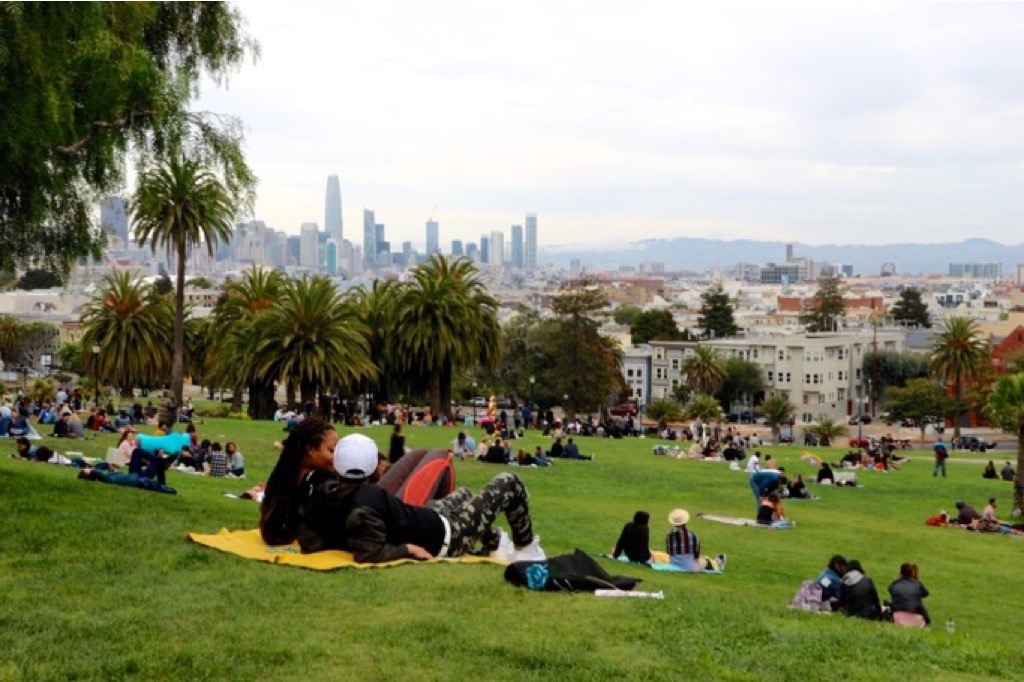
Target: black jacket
(635, 541)
(364, 519)
(859, 597)
(907, 595)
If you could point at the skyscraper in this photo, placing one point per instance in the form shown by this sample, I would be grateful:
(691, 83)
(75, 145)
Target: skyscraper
(114, 218)
(472, 253)
(332, 210)
(331, 257)
(432, 238)
(308, 243)
(517, 246)
(496, 257)
(485, 249)
(369, 238)
(456, 247)
(530, 253)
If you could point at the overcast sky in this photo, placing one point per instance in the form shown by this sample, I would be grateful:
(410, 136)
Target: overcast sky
(627, 120)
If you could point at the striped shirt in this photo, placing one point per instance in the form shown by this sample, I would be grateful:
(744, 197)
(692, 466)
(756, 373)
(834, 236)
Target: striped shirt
(682, 541)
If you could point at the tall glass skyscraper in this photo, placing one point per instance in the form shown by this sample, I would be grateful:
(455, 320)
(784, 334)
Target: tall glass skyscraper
(369, 238)
(432, 238)
(530, 253)
(332, 210)
(517, 246)
(485, 249)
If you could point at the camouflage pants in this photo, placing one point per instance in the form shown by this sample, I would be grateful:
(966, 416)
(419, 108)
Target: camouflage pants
(472, 517)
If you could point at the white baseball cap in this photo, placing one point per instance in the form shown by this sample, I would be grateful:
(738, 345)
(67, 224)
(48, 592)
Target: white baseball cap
(355, 457)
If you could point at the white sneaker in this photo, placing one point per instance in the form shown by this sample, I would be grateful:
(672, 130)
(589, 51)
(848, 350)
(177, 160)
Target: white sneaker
(532, 552)
(506, 550)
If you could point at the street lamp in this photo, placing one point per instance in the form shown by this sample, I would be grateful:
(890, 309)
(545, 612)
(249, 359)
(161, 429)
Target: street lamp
(474, 403)
(529, 400)
(565, 406)
(96, 368)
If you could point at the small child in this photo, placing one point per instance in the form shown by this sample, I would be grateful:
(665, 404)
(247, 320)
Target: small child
(635, 539)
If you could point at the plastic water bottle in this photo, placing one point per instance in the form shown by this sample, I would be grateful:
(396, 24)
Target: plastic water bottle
(950, 626)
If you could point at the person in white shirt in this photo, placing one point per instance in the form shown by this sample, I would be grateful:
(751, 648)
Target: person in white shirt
(753, 463)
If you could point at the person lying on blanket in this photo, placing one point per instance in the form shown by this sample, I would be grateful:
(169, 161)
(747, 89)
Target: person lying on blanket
(683, 546)
(344, 509)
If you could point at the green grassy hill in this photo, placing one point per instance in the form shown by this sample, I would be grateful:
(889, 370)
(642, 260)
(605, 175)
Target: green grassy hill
(100, 582)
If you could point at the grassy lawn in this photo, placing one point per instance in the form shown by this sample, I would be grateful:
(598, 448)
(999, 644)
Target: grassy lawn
(99, 581)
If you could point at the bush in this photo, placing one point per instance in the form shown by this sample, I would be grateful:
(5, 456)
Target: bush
(238, 415)
(664, 408)
(214, 411)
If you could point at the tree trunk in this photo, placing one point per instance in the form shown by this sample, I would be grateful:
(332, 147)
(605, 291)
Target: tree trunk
(1018, 479)
(211, 392)
(307, 391)
(236, 398)
(262, 404)
(959, 408)
(775, 434)
(178, 364)
(289, 393)
(434, 390)
(445, 391)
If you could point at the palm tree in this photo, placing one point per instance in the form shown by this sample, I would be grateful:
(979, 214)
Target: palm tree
(376, 308)
(776, 410)
(826, 430)
(959, 357)
(448, 323)
(11, 335)
(705, 408)
(179, 205)
(1006, 408)
(130, 327)
(704, 370)
(232, 332)
(312, 337)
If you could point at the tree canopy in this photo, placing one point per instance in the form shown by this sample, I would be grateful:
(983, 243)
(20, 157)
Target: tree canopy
(825, 310)
(742, 378)
(655, 325)
(39, 279)
(1006, 408)
(87, 85)
(716, 314)
(921, 400)
(910, 310)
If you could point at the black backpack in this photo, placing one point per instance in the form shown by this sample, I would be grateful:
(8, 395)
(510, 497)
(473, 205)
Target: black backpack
(576, 572)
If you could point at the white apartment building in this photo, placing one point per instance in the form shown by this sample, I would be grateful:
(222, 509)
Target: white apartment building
(818, 373)
(636, 368)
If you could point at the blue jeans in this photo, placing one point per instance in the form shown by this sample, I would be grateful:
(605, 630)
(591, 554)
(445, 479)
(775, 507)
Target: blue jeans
(147, 465)
(939, 464)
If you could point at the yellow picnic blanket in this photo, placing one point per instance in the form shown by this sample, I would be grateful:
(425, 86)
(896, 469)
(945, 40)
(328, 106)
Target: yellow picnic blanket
(249, 545)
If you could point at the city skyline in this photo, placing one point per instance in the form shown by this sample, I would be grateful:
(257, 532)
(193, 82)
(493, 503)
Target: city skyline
(811, 124)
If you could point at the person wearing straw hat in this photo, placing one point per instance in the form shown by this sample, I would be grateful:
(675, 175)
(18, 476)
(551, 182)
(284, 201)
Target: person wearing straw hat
(683, 546)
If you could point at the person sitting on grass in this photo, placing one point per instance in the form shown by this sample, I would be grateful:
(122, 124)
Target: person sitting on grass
(345, 509)
(496, 454)
(825, 475)
(683, 546)
(859, 596)
(635, 539)
(19, 424)
(967, 516)
(797, 489)
(1007, 473)
(753, 462)
(830, 581)
(557, 449)
(573, 452)
(907, 594)
(990, 471)
(216, 463)
(539, 458)
(771, 513)
(236, 462)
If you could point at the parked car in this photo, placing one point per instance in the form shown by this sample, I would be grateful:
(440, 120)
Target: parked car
(861, 442)
(860, 419)
(623, 411)
(479, 401)
(744, 417)
(975, 444)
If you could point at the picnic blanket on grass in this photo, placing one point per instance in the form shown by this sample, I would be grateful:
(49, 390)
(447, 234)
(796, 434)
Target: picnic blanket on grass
(248, 544)
(738, 521)
(660, 563)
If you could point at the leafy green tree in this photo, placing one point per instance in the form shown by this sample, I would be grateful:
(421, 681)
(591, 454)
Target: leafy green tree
(959, 357)
(180, 205)
(85, 85)
(448, 324)
(200, 283)
(12, 334)
(130, 327)
(312, 336)
(40, 279)
(70, 357)
(163, 286)
(825, 310)
(705, 408)
(716, 314)
(704, 370)
(910, 310)
(921, 400)
(777, 410)
(654, 325)
(1006, 408)
(664, 408)
(682, 393)
(625, 314)
(827, 430)
(887, 369)
(742, 378)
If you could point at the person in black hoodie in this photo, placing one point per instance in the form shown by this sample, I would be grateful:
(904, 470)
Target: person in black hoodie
(635, 539)
(859, 597)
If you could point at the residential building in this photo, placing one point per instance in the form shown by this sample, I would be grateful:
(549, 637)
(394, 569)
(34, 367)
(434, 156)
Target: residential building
(976, 270)
(636, 368)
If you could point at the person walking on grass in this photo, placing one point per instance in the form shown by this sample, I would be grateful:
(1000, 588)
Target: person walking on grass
(941, 455)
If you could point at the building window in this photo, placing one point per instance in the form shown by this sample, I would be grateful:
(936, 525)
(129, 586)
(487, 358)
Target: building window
(807, 378)
(807, 400)
(640, 393)
(675, 363)
(806, 417)
(788, 379)
(782, 355)
(770, 373)
(629, 373)
(675, 382)
(640, 373)
(858, 372)
(659, 353)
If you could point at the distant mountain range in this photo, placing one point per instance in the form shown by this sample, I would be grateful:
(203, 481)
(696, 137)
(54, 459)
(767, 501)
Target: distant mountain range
(685, 253)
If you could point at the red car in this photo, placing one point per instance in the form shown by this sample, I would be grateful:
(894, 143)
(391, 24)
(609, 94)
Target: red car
(861, 442)
(623, 411)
